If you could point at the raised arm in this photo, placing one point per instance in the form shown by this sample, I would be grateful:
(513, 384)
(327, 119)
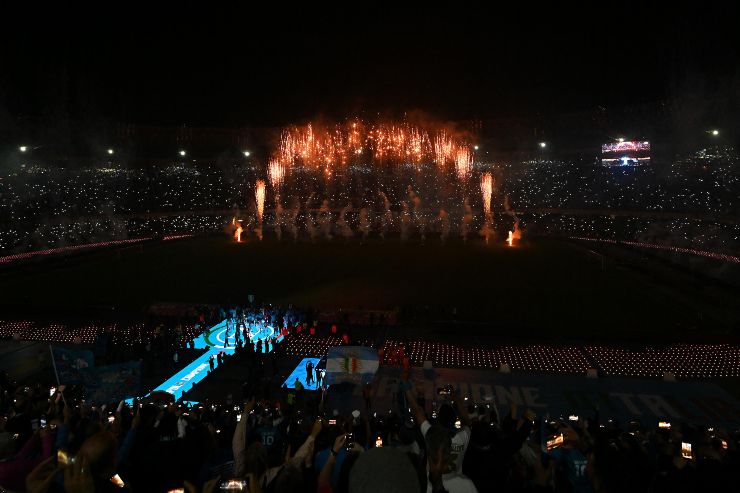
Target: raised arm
(324, 483)
(305, 452)
(461, 410)
(418, 412)
(238, 443)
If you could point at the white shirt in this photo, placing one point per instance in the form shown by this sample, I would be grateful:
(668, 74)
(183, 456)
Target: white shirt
(455, 483)
(459, 444)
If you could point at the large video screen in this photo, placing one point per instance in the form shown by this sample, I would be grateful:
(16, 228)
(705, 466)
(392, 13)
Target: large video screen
(627, 153)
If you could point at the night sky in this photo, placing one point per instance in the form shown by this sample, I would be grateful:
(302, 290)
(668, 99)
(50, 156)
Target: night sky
(216, 67)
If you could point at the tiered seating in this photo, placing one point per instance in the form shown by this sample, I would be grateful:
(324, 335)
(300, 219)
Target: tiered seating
(683, 360)
(308, 345)
(87, 334)
(549, 359)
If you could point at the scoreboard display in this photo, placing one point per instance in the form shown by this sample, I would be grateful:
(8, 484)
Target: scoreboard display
(627, 153)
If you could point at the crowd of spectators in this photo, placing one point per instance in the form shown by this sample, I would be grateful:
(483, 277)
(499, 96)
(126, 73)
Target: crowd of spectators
(46, 207)
(295, 441)
(275, 438)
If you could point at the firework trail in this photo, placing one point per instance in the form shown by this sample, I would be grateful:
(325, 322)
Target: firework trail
(328, 148)
(444, 149)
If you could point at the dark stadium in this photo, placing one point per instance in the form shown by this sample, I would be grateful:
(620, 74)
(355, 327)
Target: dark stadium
(397, 248)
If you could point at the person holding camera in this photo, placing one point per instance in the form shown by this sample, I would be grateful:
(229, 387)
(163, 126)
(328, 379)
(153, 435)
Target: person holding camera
(456, 424)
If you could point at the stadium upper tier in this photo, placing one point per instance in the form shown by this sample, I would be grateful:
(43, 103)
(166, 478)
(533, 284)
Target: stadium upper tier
(693, 198)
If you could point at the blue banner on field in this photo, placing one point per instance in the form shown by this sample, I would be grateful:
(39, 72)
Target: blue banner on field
(356, 364)
(69, 364)
(112, 383)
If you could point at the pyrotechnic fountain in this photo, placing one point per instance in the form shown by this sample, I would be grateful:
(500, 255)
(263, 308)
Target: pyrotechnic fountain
(275, 173)
(516, 234)
(386, 167)
(259, 196)
(336, 146)
(463, 163)
(486, 188)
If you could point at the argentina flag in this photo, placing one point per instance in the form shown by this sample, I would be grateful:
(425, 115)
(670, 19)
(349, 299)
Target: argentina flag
(356, 364)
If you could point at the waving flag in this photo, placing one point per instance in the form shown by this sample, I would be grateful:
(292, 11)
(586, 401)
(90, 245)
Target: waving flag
(355, 364)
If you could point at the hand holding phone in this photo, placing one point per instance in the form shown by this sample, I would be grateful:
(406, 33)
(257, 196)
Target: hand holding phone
(64, 459)
(555, 442)
(234, 485)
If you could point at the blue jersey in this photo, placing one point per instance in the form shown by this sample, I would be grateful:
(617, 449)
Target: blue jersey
(269, 436)
(573, 463)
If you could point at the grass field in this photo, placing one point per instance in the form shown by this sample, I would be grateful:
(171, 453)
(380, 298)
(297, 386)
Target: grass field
(545, 289)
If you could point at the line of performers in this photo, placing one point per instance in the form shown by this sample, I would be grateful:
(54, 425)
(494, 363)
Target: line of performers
(254, 329)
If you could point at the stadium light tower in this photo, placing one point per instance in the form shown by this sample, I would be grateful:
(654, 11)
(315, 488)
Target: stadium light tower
(475, 147)
(23, 148)
(182, 153)
(543, 145)
(621, 139)
(110, 151)
(246, 153)
(715, 132)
